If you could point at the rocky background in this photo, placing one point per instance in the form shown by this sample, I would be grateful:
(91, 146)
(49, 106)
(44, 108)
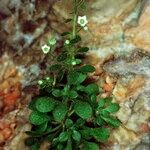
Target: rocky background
(119, 41)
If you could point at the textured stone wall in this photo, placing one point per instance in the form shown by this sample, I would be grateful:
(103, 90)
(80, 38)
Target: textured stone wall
(119, 34)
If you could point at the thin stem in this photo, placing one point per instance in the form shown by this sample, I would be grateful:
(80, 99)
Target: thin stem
(74, 19)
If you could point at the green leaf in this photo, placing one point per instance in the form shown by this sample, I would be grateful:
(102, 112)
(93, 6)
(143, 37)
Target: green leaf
(90, 146)
(86, 133)
(60, 112)
(80, 122)
(92, 89)
(113, 108)
(78, 61)
(69, 145)
(76, 135)
(73, 94)
(45, 104)
(39, 131)
(52, 41)
(83, 6)
(83, 49)
(36, 146)
(63, 136)
(100, 134)
(76, 78)
(62, 57)
(114, 122)
(83, 109)
(32, 104)
(87, 68)
(65, 33)
(80, 88)
(101, 103)
(30, 141)
(55, 67)
(75, 40)
(42, 128)
(93, 98)
(38, 118)
(99, 120)
(57, 93)
(68, 20)
(68, 123)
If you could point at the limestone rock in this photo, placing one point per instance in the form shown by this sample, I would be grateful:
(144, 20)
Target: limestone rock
(140, 35)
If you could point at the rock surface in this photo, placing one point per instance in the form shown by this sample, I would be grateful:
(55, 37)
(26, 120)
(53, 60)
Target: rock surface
(119, 34)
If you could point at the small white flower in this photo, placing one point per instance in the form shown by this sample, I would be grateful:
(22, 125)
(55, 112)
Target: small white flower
(67, 42)
(40, 82)
(85, 28)
(74, 63)
(45, 48)
(47, 78)
(82, 21)
(52, 41)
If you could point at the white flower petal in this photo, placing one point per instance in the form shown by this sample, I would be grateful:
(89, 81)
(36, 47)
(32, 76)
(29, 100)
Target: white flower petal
(82, 20)
(45, 48)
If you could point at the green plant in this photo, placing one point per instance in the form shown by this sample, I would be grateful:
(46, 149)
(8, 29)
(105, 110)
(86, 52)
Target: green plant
(68, 113)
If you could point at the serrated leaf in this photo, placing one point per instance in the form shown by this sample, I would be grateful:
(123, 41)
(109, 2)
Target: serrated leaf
(92, 89)
(63, 136)
(83, 49)
(76, 78)
(38, 118)
(83, 109)
(100, 134)
(60, 112)
(113, 108)
(90, 146)
(45, 104)
(114, 122)
(57, 93)
(86, 69)
(76, 135)
(55, 67)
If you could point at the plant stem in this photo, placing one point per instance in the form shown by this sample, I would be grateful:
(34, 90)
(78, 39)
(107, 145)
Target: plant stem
(74, 19)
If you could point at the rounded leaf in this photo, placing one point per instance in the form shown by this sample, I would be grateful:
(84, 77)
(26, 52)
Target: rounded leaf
(76, 135)
(60, 112)
(38, 118)
(100, 134)
(87, 68)
(90, 146)
(114, 122)
(83, 109)
(57, 93)
(63, 137)
(92, 89)
(113, 107)
(45, 104)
